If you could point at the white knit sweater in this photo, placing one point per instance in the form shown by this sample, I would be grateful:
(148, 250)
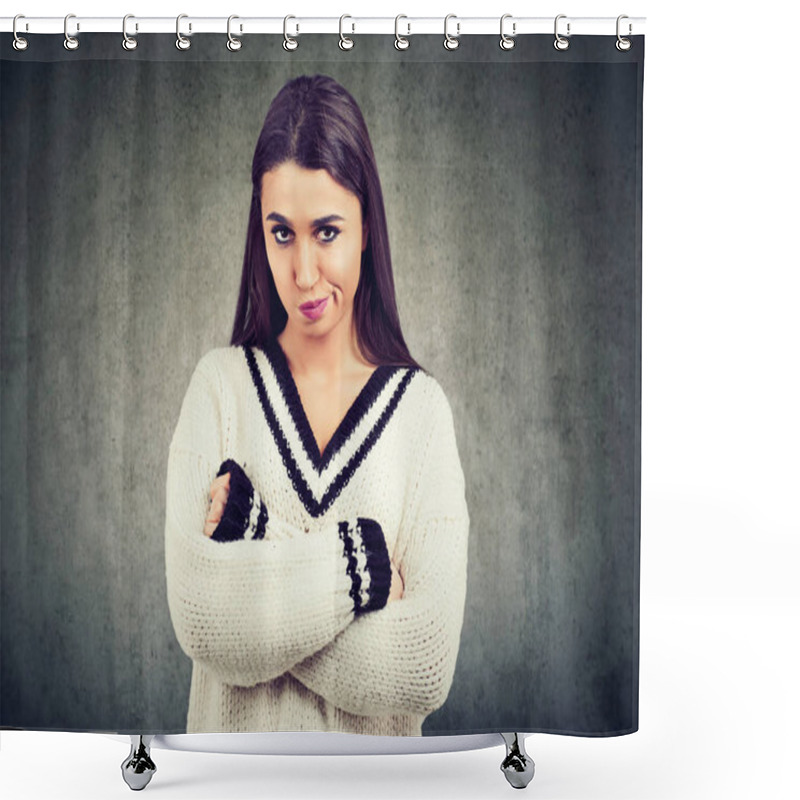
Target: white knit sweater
(286, 621)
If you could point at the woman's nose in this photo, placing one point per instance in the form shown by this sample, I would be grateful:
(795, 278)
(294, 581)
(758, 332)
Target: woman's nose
(305, 267)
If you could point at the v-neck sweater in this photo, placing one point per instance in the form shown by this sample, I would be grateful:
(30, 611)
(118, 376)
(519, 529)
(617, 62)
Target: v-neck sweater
(273, 621)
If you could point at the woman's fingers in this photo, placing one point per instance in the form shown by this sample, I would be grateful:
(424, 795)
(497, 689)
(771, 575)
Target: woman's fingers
(396, 586)
(218, 496)
(218, 506)
(214, 515)
(222, 482)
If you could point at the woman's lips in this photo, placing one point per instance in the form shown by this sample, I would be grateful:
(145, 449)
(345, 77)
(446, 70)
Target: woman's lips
(315, 308)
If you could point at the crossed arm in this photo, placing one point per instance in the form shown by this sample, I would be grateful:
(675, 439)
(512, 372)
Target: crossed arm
(251, 609)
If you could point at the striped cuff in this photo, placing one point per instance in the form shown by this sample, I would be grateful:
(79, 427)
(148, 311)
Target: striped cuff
(245, 515)
(368, 564)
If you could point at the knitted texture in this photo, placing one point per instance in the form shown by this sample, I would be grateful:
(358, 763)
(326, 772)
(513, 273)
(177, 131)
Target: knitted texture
(366, 559)
(292, 631)
(368, 564)
(245, 515)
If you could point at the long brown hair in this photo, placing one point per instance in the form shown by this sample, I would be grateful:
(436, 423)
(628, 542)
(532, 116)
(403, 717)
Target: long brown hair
(316, 123)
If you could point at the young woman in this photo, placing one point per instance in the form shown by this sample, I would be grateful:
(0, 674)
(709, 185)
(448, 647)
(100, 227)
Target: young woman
(316, 522)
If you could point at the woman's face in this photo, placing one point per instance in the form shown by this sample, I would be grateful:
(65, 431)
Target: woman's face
(314, 237)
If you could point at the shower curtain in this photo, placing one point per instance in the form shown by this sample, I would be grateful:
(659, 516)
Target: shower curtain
(511, 182)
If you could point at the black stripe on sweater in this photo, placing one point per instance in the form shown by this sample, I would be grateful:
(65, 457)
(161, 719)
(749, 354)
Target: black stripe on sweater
(373, 545)
(317, 508)
(236, 516)
(352, 565)
(362, 404)
(263, 519)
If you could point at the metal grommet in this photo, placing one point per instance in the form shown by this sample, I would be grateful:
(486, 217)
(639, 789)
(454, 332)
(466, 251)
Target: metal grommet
(451, 42)
(622, 44)
(507, 42)
(19, 42)
(233, 44)
(70, 42)
(345, 43)
(182, 43)
(128, 42)
(400, 42)
(561, 43)
(289, 43)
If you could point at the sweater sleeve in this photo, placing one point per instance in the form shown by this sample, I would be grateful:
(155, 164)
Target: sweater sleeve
(401, 660)
(248, 609)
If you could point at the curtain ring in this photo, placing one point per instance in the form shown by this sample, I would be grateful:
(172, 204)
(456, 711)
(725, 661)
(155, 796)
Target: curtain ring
(70, 42)
(19, 42)
(561, 43)
(182, 43)
(345, 43)
(233, 44)
(622, 44)
(128, 42)
(507, 42)
(289, 43)
(400, 42)
(451, 42)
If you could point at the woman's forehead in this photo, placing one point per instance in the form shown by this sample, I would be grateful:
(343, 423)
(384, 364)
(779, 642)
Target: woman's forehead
(299, 193)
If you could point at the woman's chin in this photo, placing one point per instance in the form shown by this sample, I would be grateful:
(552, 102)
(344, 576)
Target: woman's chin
(328, 322)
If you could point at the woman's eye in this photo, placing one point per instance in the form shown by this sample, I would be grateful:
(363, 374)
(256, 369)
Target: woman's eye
(328, 233)
(281, 234)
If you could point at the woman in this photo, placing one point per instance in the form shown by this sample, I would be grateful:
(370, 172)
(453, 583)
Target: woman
(316, 523)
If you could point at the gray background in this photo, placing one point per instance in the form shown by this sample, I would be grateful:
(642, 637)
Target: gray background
(512, 186)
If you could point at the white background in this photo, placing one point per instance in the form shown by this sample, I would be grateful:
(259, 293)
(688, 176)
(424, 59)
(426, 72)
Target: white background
(720, 607)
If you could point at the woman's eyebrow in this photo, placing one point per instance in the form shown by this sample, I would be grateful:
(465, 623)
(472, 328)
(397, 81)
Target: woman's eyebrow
(317, 223)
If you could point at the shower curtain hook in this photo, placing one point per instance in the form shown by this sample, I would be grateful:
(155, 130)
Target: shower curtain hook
(233, 44)
(451, 42)
(561, 43)
(622, 44)
(128, 42)
(507, 42)
(70, 42)
(345, 43)
(289, 44)
(19, 42)
(182, 43)
(400, 42)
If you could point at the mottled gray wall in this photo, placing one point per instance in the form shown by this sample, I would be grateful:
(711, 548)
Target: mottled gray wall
(512, 187)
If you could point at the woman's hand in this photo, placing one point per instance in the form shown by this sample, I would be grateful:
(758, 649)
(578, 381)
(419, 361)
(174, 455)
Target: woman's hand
(218, 493)
(396, 587)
